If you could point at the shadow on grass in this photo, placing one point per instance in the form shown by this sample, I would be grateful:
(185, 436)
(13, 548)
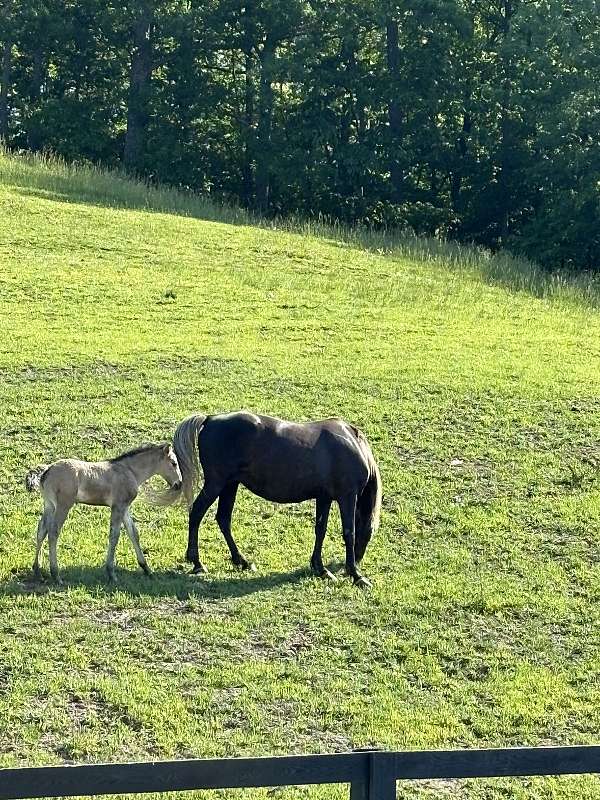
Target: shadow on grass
(53, 180)
(118, 192)
(178, 584)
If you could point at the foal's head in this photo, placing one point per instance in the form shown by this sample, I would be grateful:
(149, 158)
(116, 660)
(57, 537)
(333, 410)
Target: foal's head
(168, 468)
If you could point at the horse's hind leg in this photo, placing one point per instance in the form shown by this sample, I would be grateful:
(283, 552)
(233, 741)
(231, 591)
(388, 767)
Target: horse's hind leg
(132, 532)
(54, 529)
(117, 514)
(224, 512)
(321, 519)
(42, 532)
(347, 506)
(200, 506)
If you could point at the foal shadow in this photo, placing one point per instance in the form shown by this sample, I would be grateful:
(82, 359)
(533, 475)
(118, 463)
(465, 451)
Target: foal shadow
(175, 583)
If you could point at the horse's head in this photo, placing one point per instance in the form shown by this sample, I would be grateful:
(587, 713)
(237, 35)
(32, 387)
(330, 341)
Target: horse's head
(169, 467)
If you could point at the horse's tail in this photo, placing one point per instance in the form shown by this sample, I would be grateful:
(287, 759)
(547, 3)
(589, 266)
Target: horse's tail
(368, 509)
(33, 478)
(185, 444)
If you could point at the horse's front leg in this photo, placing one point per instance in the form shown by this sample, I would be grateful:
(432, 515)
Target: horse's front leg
(348, 513)
(117, 515)
(321, 519)
(201, 504)
(224, 513)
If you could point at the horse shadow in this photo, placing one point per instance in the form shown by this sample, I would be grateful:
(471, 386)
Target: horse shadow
(173, 583)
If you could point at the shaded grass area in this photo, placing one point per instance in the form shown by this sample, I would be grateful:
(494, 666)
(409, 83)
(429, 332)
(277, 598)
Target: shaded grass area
(482, 408)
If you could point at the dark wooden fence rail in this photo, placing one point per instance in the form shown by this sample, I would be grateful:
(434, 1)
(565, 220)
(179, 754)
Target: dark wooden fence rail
(371, 775)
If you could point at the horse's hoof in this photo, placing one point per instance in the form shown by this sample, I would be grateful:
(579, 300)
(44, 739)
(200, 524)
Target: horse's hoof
(245, 565)
(58, 581)
(199, 569)
(147, 571)
(327, 575)
(363, 583)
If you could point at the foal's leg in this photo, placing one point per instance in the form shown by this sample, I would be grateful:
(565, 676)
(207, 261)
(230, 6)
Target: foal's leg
(347, 506)
(42, 532)
(117, 514)
(224, 512)
(321, 518)
(54, 529)
(201, 504)
(132, 532)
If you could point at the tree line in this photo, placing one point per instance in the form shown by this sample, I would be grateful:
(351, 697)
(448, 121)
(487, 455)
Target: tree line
(470, 119)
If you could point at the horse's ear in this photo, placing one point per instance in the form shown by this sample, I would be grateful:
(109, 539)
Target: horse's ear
(166, 447)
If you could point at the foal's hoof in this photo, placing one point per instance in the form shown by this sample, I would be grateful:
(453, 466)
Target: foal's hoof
(363, 583)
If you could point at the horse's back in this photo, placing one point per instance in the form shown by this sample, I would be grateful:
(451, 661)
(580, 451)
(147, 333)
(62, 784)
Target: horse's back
(281, 460)
(89, 482)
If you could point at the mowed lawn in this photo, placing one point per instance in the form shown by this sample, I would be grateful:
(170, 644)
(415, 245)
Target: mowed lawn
(483, 409)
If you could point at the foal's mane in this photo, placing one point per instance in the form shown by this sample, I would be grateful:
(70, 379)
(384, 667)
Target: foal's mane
(144, 448)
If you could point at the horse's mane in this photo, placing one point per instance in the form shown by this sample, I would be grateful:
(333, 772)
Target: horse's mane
(144, 448)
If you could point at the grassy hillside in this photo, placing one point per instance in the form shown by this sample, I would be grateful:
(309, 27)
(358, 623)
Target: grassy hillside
(119, 317)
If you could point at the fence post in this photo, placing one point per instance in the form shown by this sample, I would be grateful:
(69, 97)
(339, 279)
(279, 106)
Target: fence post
(382, 782)
(379, 782)
(359, 789)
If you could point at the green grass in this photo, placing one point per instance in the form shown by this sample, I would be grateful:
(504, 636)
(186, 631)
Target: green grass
(123, 309)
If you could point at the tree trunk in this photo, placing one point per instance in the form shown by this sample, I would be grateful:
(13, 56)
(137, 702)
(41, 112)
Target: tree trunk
(139, 89)
(505, 126)
(34, 141)
(456, 177)
(37, 75)
(247, 177)
(248, 113)
(4, 89)
(394, 109)
(265, 119)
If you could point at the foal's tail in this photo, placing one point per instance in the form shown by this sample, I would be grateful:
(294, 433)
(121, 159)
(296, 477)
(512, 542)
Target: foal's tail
(34, 477)
(185, 444)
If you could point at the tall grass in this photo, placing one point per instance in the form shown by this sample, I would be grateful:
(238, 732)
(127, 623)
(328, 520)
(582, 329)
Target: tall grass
(83, 182)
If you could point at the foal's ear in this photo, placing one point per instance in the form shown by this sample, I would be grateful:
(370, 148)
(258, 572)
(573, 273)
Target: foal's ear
(166, 448)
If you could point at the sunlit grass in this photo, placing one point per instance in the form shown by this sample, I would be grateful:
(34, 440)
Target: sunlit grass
(119, 316)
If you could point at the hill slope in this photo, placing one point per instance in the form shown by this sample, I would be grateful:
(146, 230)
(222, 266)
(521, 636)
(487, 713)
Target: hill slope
(483, 627)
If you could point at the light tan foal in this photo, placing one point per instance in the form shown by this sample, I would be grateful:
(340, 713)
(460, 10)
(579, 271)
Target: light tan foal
(114, 483)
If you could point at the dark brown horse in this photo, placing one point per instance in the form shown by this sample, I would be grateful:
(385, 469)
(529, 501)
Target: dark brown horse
(284, 462)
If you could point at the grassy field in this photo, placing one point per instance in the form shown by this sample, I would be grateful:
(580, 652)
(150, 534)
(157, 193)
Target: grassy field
(121, 311)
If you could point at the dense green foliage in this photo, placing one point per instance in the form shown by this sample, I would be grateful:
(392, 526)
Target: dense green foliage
(472, 119)
(118, 316)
